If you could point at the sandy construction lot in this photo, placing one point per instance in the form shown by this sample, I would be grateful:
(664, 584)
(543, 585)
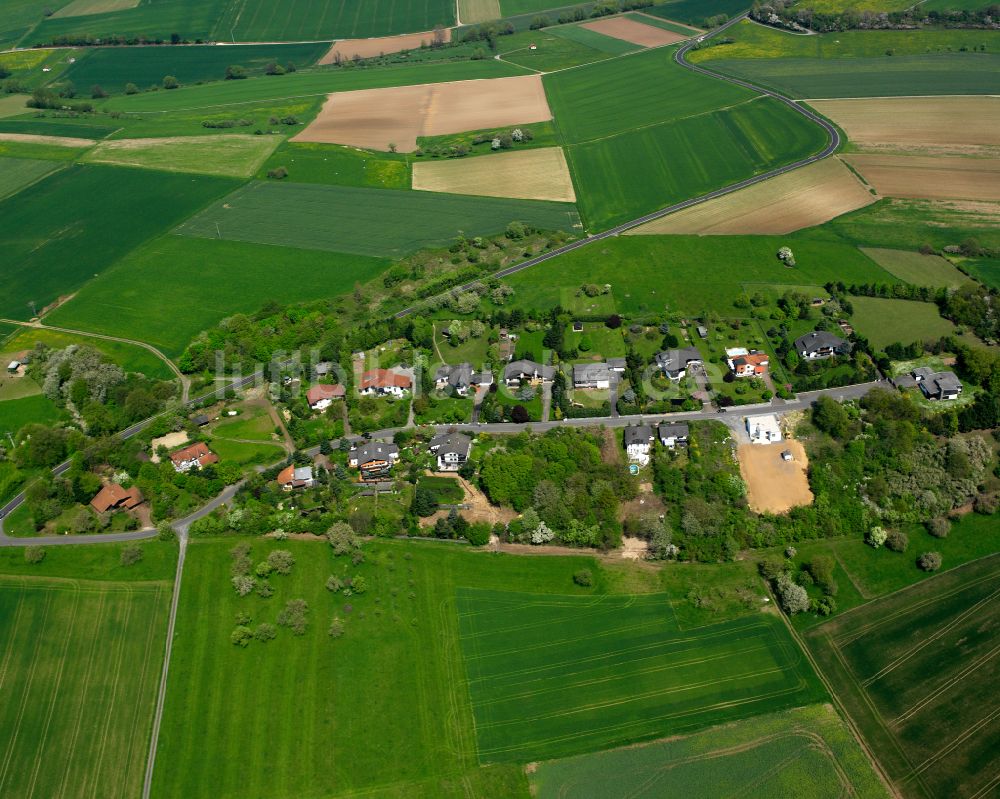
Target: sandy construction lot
(775, 485)
(374, 118)
(805, 197)
(381, 45)
(917, 123)
(58, 141)
(539, 174)
(628, 30)
(930, 178)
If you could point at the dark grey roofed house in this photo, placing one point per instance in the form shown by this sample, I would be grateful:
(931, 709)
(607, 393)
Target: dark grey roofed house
(937, 385)
(323, 368)
(673, 433)
(452, 450)
(821, 344)
(638, 434)
(674, 363)
(457, 377)
(373, 451)
(593, 375)
(518, 371)
(578, 327)
(201, 420)
(482, 378)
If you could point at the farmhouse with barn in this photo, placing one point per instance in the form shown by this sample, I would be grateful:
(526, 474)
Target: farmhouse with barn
(114, 497)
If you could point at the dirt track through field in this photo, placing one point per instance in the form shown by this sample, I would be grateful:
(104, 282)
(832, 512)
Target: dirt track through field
(916, 122)
(930, 178)
(775, 485)
(629, 30)
(540, 174)
(381, 45)
(374, 118)
(800, 199)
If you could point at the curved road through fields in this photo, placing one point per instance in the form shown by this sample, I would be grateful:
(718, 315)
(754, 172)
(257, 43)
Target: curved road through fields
(833, 144)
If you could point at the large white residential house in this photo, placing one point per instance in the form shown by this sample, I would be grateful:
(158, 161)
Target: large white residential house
(763, 429)
(638, 443)
(451, 449)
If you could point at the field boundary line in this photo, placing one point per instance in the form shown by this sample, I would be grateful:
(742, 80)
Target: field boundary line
(893, 97)
(83, 697)
(40, 746)
(9, 654)
(11, 746)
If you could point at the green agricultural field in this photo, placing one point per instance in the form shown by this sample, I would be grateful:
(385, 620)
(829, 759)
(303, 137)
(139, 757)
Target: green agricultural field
(44, 127)
(63, 230)
(80, 675)
(511, 8)
(599, 672)
(41, 152)
(95, 562)
(189, 19)
(885, 321)
(353, 220)
(20, 16)
(921, 270)
(11, 105)
(236, 156)
(691, 274)
(16, 173)
(132, 299)
(130, 357)
(316, 82)
(393, 683)
(300, 20)
(915, 671)
(808, 751)
(339, 166)
(595, 40)
(113, 67)
(696, 12)
(664, 24)
(985, 270)
(551, 52)
(16, 413)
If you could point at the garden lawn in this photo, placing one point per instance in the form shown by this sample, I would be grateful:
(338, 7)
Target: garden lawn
(244, 453)
(36, 409)
(63, 230)
(339, 166)
(691, 274)
(915, 671)
(16, 173)
(552, 676)
(236, 156)
(353, 220)
(446, 489)
(113, 67)
(128, 356)
(885, 321)
(809, 748)
(132, 299)
(81, 666)
(394, 682)
(920, 270)
(255, 424)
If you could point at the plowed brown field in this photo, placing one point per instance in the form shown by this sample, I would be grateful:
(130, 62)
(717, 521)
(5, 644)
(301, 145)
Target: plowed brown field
(628, 30)
(930, 178)
(382, 45)
(374, 118)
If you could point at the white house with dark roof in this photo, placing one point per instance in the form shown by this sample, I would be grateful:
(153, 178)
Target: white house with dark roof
(373, 459)
(937, 385)
(594, 376)
(638, 443)
(821, 344)
(451, 449)
(673, 434)
(517, 372)
(674, 363)
(458, 378)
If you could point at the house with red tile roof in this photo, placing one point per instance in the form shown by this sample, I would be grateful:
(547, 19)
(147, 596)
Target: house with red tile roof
(113, 497)
(381, 382)
(193, 457)
(322, 395)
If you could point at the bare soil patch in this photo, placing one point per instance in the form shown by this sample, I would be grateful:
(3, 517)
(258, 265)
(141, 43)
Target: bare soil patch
(170, 441)
(374, 118)
(381, 45)
(805, 197)
(540, 174)
(931, 178)
(775, 485)
(480, 509)
(629, 30)
(916, 121)
(58, 141)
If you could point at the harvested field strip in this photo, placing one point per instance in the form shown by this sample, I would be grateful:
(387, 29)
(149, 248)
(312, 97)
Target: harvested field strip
(346, 49)
(471, 12)
(596, 40)
(631, 30)
(930, 178)
(530, 174)
(916, 268)
(610, 670)
(915, 671)
(378, 118)
(57, 141)
(809, 747)
(79, 672)
(352, 220)
(916, 122)
(234, 156)
(803, 198)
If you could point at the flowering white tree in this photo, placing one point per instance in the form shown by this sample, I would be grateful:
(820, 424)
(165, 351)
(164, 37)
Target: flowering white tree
(876, 537)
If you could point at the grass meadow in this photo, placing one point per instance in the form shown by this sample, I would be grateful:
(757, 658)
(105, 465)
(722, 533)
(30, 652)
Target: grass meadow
(595, 40)
(95, 562)
(236, 156)
(113, 67)
(80, 671)
(915, 671)
(597, 672)
(16, 173)
(82, 128)
(885, 321)
(349, 219)
(42, 152)
(339, 166)
(551, 52)
(916, 268)
(692, 274)
(695, 12)
(134, 298)
(985, 270)
(130, 357)
(61, 231)
(16, 413)
(807, 752)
